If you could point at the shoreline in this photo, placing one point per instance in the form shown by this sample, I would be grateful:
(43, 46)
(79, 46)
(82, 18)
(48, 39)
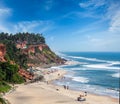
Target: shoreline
(87, 92)
(91, 94)
(72, 62)
(81, 91)
(43, 90)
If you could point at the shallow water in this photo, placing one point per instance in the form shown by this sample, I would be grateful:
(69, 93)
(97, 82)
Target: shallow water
(97, 73)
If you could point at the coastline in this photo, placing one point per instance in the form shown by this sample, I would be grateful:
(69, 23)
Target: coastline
(84, 79)
(48, 93)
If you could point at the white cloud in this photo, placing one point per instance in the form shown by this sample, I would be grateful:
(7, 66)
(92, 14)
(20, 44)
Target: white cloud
(104, 41)
(111, 12)
(32, 26)
(91, 8)
(4, 12)
(113, 15)
(27, 26)
(99, 42)
(21, 26)
(115, 23)
(93, 3)
(3, 29)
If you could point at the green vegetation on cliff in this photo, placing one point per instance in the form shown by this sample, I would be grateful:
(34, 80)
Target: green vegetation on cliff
(9, 74)
(2, 101)
(31, 38)
(9, 71)
(14, 54)
(20, 50)
(4, 87)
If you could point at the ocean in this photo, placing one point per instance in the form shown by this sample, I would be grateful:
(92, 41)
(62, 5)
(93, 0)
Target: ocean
(94, 72)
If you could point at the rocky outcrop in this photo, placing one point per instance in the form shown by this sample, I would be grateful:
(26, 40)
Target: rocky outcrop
(37, 55)
(21, 45)
(41, 54)
(2, 52)
(35, 48)
(25, 74)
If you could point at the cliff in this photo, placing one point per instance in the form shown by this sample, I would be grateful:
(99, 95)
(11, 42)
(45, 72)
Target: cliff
(2, 52)
(20, 51)
(41, 54)
(27, 49)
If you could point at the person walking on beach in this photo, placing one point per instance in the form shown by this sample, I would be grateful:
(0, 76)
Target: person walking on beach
(64, 86)
(85, 93)
(67, 87)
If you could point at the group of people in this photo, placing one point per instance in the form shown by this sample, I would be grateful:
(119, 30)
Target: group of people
(82, 97)
(66, 87)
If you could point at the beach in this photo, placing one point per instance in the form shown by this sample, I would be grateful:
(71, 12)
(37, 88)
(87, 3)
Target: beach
(47, 93)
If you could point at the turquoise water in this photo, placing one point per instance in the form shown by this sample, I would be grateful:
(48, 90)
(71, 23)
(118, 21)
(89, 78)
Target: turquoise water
(94, 72)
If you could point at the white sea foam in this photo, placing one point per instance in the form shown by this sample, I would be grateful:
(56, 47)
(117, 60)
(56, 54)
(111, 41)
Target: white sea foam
(116, 75)
(84, 58)
(93, 89)
(99, 90)
(71, 62)
(79, 69)
(101, 66)
(95, 59)
(56, 67)
(69, 74)
(80, 79)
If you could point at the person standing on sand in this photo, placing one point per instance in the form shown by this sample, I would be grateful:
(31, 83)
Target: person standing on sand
(67, 87)
(85, 93)
(64, 86)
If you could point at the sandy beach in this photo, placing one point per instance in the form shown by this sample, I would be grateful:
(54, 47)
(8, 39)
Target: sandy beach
(43, 93)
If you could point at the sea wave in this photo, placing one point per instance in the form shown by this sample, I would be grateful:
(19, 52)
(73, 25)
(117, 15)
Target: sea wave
(95, 89)
(72, 62)
(116, 75)
(69, 74)
(95, 59)
(101, 66)
(84, 58)
(56, 67)
(80, 79)
(79, 69)
(99, 90)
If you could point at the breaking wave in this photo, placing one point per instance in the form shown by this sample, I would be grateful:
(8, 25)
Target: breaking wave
(95, 59)
(81, 79)
(101, 66)
(116, 75)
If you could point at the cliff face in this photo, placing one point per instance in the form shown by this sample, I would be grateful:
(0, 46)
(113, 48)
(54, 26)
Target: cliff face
(36, 55)
(27, 49)
(2, 52)
(41, 54)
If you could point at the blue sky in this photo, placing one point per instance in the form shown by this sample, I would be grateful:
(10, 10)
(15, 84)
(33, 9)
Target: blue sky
(68, 25)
